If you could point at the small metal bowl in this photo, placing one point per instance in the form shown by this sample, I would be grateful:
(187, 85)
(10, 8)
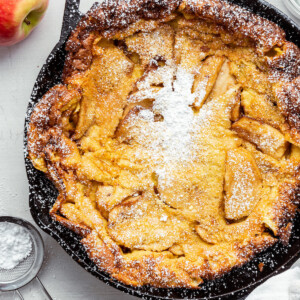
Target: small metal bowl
(28, 269)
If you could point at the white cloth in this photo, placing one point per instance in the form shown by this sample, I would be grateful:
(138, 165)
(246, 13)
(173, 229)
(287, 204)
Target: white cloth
(285, 286)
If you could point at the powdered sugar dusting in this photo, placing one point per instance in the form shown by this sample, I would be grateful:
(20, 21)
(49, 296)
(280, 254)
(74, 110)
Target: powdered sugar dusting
(15, 245)
(173, 102)
(170, 139)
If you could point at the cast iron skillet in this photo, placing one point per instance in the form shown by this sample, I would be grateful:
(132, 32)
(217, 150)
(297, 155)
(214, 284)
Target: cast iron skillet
(42, 194)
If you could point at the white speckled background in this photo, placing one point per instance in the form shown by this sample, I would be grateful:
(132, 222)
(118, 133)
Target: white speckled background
(19, 67)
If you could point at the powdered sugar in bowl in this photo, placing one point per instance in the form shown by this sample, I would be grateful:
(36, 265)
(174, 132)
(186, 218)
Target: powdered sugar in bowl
(22, 253)
(15, 245)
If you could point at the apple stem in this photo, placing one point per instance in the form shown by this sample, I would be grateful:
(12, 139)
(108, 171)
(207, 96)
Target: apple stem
(26, 21)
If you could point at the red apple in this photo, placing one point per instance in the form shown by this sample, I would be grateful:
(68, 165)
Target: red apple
(18, 18)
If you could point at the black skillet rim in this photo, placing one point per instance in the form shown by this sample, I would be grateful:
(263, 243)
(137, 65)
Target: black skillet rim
(41, 188)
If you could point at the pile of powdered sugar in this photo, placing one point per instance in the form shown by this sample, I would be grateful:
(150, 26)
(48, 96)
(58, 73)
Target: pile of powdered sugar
(173, 102)
(171, 140)
(15, 245)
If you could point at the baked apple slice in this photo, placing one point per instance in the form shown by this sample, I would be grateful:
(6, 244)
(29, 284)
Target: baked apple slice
(224, 82)
(266, 138)
(206, 79)
(143, 223)
(242, 184)
(258, 107)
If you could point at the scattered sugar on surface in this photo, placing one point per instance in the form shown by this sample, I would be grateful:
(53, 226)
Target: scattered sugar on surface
(15, 245)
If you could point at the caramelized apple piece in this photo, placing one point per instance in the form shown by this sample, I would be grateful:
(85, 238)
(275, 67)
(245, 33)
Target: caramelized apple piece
(86, 115)
(108, 197)
(250, 76)
(258, 107)
(268, 139)
(242, 184)
(235, 113)
(265, 163)
(211, 232)
(224, 82)
(206, 78)
(177, 250)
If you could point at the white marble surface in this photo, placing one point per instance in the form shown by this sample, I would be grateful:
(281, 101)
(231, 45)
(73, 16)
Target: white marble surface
(19, 67)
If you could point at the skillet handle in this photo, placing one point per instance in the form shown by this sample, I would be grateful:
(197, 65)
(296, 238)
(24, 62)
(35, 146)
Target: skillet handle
(71, 18)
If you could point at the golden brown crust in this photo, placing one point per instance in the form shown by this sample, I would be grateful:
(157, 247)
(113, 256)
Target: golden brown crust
(111, 16)
(288, 100)
(234, 18)
(65, 152)
(285, 210)
(48, 115)
(108, 17)
(162, 270)
(286, 62)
